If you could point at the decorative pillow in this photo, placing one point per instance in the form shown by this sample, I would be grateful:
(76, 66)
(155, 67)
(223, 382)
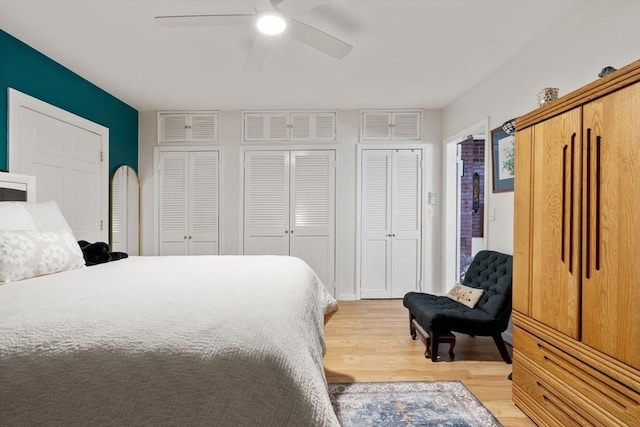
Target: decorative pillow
(44, 216)
(465, 295)
(28, 253)
(14, 216)
(47, 216)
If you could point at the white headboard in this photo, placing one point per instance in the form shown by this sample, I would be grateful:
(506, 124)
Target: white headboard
(14, 187)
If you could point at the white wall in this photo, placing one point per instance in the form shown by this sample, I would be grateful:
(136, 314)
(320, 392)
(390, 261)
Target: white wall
(567, 56)
(348, 122)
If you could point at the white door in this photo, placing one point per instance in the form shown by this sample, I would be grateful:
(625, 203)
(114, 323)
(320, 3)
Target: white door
(66, 154)
(173, 207)
(391, 222)
(375, 273)
(406, 221)
(203, 195)
(312, 214)
(289, 207)
(266, 203)
(188, 202)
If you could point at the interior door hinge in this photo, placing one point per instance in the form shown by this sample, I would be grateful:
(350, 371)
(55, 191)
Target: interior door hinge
(101, 225)
(101, 156)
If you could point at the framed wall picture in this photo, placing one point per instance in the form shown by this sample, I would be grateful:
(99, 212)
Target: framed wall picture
(503, 149)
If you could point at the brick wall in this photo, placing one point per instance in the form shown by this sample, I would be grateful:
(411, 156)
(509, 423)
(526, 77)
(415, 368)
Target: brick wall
(471, 223)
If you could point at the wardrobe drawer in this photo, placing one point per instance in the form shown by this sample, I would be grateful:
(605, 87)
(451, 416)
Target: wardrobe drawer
(554, 408)
(603, 394)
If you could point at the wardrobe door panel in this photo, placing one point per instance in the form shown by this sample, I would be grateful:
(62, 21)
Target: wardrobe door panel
(611, 289)
(555, 216)
(522, 221)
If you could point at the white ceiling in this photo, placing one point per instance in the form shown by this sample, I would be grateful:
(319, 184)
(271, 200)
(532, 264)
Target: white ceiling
(407, 53)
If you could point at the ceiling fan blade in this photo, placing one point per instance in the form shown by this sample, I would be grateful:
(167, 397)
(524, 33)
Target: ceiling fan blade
(258, 54)
(262, 6)
(195, 20)
(319, 40)
(293, 8)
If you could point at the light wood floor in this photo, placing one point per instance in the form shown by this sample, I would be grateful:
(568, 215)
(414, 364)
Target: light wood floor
(370, 341)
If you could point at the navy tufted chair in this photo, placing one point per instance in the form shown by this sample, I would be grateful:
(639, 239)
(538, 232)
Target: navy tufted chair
(439, 315)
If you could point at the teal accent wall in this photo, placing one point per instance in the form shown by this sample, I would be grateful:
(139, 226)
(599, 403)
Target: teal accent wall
(27, 70)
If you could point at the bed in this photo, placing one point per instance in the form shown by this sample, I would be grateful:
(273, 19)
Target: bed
(200, 340)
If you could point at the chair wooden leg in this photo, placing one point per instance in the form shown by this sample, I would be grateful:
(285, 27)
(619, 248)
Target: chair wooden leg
(412, 329)
(502, 348)
(435, 340)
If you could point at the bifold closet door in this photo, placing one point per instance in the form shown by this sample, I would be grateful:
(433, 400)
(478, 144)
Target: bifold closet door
(312, 214)
(289, 207)
(406, 222)
(188, 203)
(391, 222)
(266, 203)
(203, 191)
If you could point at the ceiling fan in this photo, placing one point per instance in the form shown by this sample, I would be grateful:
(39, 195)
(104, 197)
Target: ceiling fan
(271, 17)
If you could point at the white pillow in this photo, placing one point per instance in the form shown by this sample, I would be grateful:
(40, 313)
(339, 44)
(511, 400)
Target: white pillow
(29, 253)
(14, 216)
(465, 295)
(47, 216)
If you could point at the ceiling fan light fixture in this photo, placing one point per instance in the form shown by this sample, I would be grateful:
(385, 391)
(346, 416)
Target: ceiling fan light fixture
(271, 23)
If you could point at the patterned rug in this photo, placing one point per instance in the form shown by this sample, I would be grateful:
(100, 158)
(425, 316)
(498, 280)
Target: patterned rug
(416, 403)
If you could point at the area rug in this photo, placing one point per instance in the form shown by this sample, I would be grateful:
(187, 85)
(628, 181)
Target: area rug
(415, 403)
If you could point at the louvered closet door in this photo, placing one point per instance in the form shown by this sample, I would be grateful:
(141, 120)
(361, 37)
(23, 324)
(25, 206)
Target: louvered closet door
(173, 207)
(204, 127)
(173, 127)
(312, 214)
(203, 203)
(266, 203)
(406, 221)
(391, 223)
(376, 125)
(375, 273)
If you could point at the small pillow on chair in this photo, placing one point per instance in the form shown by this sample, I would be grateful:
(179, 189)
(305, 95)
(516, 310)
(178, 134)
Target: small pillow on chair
(465, 295)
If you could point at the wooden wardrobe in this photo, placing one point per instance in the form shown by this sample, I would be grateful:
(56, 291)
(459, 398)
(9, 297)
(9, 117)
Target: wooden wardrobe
(576, 278)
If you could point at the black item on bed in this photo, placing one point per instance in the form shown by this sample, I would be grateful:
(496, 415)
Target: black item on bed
(98, 253)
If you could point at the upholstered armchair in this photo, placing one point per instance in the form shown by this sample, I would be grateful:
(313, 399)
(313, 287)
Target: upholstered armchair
(490, 272)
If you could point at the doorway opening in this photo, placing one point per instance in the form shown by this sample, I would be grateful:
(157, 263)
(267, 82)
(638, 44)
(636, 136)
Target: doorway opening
(466, 197)
(470, 200)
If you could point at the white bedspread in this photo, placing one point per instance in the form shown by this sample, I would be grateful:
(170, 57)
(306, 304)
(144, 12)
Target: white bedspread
(188, 341)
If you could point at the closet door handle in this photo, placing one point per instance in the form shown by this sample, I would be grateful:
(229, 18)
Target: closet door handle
(286, 231)
(588, 207)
